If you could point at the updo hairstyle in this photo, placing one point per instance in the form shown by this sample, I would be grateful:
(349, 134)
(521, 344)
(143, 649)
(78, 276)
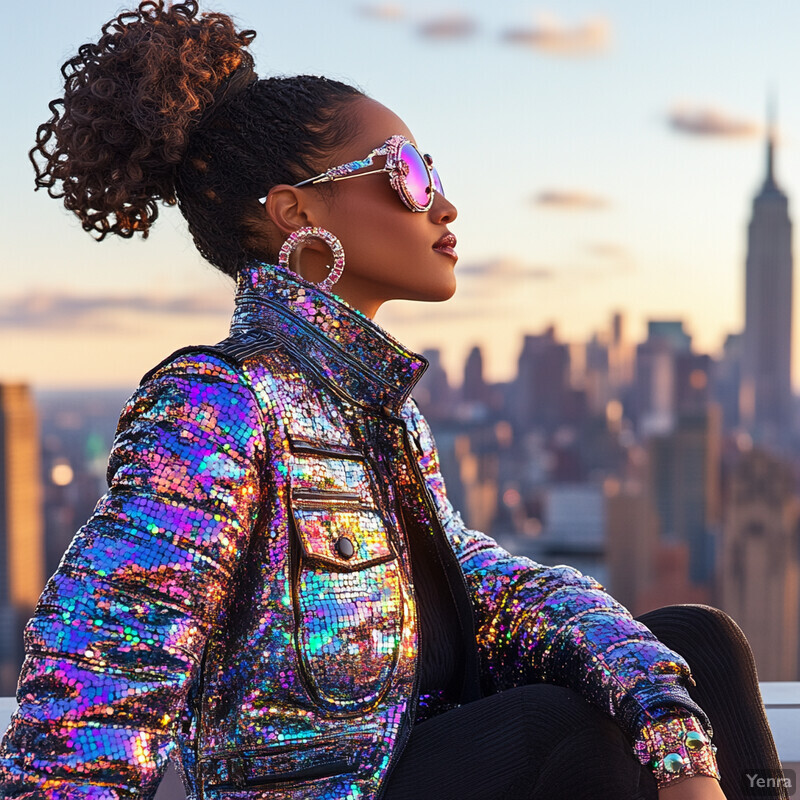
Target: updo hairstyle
(166, 106)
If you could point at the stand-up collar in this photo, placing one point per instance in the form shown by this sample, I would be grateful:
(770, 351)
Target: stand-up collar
(344, 346)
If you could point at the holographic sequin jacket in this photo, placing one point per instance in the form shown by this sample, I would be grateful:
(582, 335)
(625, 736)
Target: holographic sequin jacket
(242, 601)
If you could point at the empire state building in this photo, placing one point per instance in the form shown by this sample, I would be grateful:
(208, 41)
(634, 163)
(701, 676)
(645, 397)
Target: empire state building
(766, 400)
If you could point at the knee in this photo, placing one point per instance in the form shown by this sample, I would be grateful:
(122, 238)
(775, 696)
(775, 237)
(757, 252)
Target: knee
(576, 750)
(701, 614)
(695, 616)
(695, 625)
(569, 747)
(552, 714)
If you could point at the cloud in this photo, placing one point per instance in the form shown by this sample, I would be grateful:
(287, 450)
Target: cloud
(101, 312)
(610, 255)
(452, 26)
(709, 121)
(550, 35)
(387, 11)
(606, 250)
(570, 200)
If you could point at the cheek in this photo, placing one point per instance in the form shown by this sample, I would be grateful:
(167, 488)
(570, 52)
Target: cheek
(396, 243)
(386, 231)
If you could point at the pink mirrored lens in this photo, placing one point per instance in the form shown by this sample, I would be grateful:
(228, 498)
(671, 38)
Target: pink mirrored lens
(416, 178)
(437, 182)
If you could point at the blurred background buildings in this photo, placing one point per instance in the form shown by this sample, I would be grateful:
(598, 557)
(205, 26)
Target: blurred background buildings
(668, 474)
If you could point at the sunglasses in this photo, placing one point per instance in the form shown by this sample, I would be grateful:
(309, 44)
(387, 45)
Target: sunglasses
(411, 174)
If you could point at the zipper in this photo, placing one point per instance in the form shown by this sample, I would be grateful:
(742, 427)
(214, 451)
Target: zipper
(245, 751)
(470, 689)
(314, 498)
(467, 627)
(239, 780)
(236, 759)
(331, 450)
(198, 709)
(411, 711)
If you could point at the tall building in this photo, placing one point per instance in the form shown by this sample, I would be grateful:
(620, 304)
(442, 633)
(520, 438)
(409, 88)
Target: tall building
(728, 380)
(597, 375)
(620, 356)
(654, 386)
(645, 571)
(474, 388)
(759, 566)
(632, 535)
(692, 382)
(574, 528)
(21, 527)
(766, 400)
(76, 431)
(542, 385)
(684, 487)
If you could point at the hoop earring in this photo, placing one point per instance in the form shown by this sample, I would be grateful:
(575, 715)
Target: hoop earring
(304, 234)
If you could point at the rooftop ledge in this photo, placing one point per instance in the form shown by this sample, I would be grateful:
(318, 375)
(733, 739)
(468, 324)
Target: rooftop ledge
(781, 699)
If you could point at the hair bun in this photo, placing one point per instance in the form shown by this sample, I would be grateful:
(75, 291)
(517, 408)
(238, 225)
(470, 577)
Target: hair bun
(129, 104)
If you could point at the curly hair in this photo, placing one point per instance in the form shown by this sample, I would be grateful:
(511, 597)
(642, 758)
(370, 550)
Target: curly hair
(166, 107)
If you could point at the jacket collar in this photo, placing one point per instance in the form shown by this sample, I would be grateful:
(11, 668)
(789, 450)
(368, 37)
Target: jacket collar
(345, 347)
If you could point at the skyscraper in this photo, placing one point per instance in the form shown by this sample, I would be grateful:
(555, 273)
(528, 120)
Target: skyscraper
(684, 487)
(766, 394)
(759, 566)
(474, 389)
(654, 384)
(21, 528)
(542, 382)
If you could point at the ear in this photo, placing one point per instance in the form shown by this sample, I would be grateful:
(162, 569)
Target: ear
(288, 208)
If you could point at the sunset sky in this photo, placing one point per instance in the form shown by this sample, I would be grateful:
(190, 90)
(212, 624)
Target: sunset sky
(602, 157)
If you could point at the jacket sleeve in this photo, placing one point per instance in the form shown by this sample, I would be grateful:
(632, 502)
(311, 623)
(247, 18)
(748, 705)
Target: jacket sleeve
(118, 634)
(553, 624)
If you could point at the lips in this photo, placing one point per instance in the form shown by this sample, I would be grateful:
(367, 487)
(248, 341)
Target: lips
(446, 245)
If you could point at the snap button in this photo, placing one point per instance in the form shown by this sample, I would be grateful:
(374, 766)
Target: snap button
(344, 547)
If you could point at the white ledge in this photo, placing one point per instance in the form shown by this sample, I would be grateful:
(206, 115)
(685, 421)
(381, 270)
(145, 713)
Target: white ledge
(782, 701)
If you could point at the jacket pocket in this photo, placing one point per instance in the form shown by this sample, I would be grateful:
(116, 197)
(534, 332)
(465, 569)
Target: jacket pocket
(265, 767)
(348, 596)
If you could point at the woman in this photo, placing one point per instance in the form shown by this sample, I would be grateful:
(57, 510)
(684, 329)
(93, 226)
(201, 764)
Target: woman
(275, 592)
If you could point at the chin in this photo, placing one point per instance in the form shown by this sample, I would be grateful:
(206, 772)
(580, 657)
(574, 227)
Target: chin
(437, 294)
(450, 288)
(436, 289)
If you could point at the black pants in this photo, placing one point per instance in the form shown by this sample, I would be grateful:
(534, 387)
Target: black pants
(544, 742)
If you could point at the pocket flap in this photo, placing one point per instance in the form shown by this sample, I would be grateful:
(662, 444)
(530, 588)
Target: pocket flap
(261, 767)
(345, 540)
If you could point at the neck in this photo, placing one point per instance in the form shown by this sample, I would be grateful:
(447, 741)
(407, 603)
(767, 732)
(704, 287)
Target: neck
(367, 305)
(357, 293)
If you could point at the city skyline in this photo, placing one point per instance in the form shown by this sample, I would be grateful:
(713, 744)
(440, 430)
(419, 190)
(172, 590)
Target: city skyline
(602, 160)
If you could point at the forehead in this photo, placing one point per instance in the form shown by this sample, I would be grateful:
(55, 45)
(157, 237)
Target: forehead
(373, 124)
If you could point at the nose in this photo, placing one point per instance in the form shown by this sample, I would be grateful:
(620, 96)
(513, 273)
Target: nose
(442, 210)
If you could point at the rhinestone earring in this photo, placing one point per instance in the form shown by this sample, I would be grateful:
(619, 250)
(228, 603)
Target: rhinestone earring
(304, 234)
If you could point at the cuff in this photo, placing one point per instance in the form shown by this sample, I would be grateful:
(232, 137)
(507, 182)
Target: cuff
(675, 748)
